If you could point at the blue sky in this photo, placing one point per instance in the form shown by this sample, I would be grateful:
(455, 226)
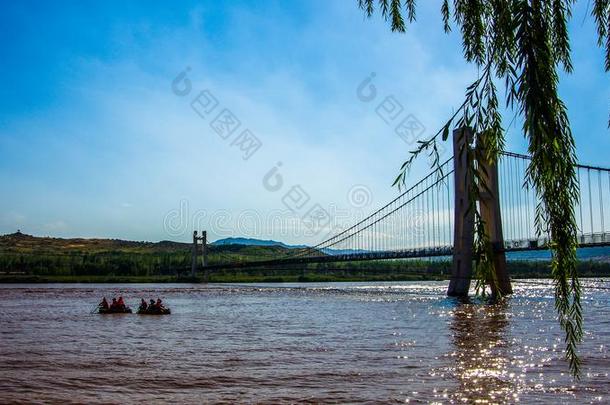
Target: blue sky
(94, 142)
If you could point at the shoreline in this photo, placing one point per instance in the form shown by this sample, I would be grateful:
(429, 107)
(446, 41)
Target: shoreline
(313, 278)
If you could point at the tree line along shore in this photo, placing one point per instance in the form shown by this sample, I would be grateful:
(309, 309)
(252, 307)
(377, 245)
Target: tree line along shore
(31, 259)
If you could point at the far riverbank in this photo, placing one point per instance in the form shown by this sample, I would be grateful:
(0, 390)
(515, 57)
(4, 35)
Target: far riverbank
(600, 270)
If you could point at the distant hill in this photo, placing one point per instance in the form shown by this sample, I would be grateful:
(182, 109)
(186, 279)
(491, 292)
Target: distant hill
(24, 243)
(261, 242)
(254, 242)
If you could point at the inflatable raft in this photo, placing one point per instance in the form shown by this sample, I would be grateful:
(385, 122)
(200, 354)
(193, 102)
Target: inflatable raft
(127, 310)
(154, 311)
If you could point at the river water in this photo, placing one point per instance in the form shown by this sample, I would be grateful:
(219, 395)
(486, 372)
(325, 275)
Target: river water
(286, 343)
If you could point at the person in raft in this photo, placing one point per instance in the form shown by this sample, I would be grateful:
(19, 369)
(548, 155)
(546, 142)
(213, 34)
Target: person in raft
(143, 305)
(103, 304)
(121, 304)
(114, 306)
(159, 304)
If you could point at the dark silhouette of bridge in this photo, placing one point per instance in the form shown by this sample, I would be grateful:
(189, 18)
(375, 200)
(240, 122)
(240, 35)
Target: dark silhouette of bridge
(433, 218)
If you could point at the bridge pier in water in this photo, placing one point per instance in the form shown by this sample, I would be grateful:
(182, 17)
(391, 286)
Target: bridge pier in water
(463, 234)
(464, 218)
(489, 206)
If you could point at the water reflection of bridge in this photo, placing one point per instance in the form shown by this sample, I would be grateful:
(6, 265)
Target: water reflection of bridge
(481, 346)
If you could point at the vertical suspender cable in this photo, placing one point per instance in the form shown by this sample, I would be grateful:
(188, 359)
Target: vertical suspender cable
(513, 177)
(510, 199)
(375, 233)
(582, 231)
(420, 210)
(432, 219)
(526, 208)
(428, 214)
(519, 189)
(601, 201)
(448, 213)
(437, 191)
(590, 199)
(506, 204)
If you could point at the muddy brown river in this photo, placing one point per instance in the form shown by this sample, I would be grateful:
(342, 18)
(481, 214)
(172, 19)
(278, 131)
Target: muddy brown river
(287, 343)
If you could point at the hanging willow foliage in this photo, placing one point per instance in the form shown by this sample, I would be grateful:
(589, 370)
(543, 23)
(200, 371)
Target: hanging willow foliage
(521, 43)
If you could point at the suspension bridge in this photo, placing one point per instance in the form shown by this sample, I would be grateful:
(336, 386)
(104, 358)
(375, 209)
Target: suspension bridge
(433, 217)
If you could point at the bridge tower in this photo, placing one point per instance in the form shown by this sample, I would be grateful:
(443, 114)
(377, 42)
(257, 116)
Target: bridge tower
(194, 253)
(466, 160)
(204, 255)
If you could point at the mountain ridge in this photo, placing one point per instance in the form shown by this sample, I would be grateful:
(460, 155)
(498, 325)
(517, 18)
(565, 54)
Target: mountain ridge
(255, 242)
